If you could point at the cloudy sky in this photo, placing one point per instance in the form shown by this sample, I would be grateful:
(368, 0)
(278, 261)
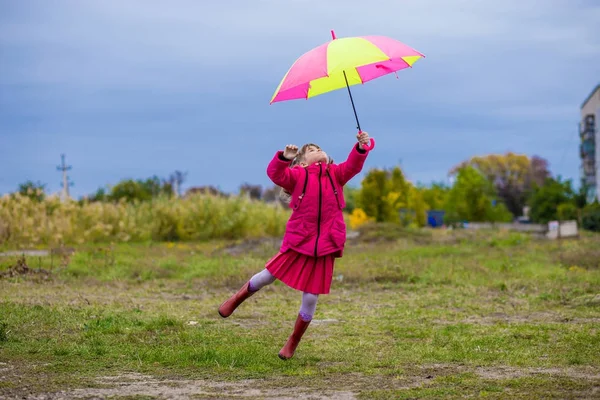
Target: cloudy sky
(131, 89)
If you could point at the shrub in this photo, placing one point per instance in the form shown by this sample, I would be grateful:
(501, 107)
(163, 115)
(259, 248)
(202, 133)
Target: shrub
(590, 217)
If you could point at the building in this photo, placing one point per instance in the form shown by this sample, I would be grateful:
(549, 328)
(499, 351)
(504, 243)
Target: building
(589, 135)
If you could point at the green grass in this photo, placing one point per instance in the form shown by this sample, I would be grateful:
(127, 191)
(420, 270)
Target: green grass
(427, 315)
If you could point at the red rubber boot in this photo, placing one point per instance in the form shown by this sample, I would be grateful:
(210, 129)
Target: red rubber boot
(288, 350)
(229, 306)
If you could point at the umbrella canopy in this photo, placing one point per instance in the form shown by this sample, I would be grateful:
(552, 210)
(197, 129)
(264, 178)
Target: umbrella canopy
(342, 63)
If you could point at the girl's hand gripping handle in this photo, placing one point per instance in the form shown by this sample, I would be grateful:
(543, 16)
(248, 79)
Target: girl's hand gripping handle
(364, 140)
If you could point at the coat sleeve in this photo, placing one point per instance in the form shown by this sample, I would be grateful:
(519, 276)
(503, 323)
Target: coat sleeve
(352, 166)
(281, 174)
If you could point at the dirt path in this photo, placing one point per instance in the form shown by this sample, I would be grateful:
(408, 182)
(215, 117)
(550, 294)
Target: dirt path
(134, 385)
(138, 385)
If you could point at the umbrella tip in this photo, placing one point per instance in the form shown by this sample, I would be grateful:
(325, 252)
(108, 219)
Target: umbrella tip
(333, 35)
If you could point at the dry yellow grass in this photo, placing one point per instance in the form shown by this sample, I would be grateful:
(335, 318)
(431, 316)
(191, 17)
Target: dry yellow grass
(24, 222)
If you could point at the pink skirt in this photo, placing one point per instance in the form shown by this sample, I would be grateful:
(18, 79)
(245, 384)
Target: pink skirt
(302, 272)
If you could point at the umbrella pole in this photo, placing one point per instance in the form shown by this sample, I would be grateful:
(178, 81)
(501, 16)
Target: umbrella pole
(352, 101)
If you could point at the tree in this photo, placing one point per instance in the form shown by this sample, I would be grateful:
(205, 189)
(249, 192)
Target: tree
(417, 203)
(399, 185)
(590, 217)
(154, 186)
(271, 195)
(209, 190)
(129, 190)
(397, 197)
(253, 191)
(546, 199)
(141, 190)
(36, 191)
(567, 211)
(473, 198)
(435, 195)
(581, 197)
(405, 200)
(539, 171)
(100, 195)
(513, 176)
(373, 196)
(351, 195)
(387, 196)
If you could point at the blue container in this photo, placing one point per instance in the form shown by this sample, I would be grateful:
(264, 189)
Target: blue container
(435, 218)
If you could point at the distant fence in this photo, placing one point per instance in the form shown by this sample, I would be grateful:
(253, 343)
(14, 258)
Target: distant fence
(534, 228)
(552, 230)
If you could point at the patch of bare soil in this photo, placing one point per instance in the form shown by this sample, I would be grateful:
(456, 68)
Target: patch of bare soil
(537, 317)
(502, 372)
(132, 385)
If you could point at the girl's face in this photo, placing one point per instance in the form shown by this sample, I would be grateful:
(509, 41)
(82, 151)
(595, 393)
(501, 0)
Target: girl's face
(314, 155)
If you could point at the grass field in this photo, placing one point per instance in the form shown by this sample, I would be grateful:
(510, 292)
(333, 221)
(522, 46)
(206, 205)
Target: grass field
(411, 315)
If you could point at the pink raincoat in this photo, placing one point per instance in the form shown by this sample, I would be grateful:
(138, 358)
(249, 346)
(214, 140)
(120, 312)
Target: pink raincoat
(316, 227)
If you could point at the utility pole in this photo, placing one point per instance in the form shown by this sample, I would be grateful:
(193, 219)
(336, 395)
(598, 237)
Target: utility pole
(65, 178)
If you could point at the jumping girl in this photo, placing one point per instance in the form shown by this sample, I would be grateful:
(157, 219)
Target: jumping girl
(315, 233)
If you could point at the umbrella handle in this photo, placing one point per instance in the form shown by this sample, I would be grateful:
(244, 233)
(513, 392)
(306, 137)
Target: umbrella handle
(369, 147)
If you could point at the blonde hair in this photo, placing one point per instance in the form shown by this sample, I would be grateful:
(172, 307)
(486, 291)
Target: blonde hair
(284, 195)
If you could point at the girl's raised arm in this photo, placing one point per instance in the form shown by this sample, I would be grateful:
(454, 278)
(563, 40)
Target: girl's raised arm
(354, 164)
(279, 170)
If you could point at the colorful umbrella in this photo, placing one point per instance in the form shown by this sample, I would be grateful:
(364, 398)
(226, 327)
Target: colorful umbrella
(342, 63)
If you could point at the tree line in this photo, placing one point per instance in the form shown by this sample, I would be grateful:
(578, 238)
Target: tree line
(490, 188)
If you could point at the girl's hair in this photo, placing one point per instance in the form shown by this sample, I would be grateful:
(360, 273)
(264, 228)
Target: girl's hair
(284, 195)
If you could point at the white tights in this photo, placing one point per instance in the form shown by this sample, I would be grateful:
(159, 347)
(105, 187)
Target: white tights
(309, 300)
